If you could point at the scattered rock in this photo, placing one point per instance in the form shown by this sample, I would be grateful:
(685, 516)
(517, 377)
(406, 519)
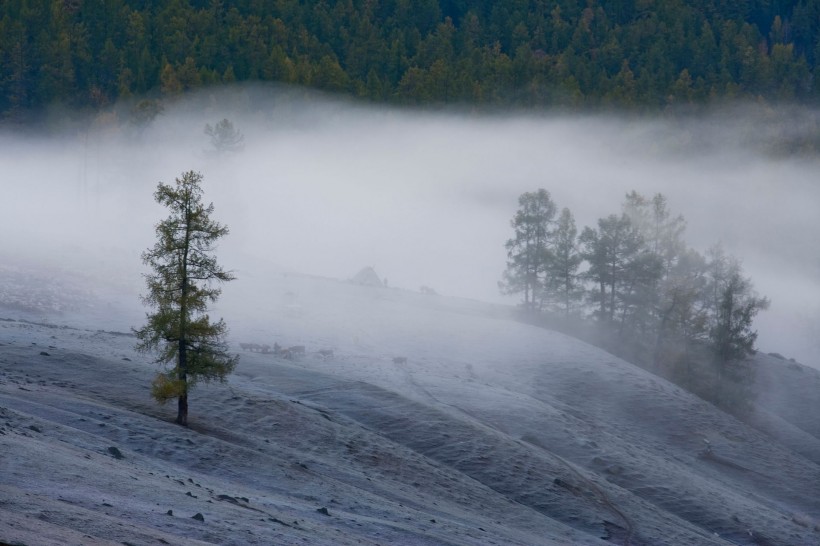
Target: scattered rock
(198, 516)
(323, 511)
(236, 500)
(191, 494)
(228, 498)
(126, 359)
(116, 453)
(169, 513)
(43, 353)
(35, 428)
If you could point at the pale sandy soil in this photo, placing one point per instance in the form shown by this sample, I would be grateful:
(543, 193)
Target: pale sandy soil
(491, 432)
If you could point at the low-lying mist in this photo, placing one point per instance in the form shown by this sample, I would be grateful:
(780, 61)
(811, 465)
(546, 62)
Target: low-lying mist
(325, 187)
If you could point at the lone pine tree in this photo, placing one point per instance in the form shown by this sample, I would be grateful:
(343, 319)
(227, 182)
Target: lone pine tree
(181, 284)
(225, 137)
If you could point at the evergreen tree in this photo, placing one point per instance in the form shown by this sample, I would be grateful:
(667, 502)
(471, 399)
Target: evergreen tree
(732, 338)
(181, 284)
(617, 263)
(682, 320)
(662, 234)
(528, 250)
(563, 284)
(225, 137)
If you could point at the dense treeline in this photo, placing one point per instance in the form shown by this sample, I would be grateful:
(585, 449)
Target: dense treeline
(86, 53)
(632, 285)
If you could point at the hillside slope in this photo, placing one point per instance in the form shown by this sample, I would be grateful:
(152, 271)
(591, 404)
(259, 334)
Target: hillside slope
(491, 432)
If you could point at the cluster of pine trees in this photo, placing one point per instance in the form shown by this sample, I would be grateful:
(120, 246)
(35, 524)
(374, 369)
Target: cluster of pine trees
(86, 53)
(633, 280)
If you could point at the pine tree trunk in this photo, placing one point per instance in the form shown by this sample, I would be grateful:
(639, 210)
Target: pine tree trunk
(182, 410)
(182, 374)
(182, 351)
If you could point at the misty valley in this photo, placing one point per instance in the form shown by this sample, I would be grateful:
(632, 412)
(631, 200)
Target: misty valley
(408, 326)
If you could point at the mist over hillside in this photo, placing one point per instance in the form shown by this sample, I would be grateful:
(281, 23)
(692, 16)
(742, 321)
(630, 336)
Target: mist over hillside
(377, 382)
(326, 187)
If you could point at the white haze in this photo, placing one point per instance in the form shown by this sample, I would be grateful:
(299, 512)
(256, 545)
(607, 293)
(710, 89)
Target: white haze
(325, 188)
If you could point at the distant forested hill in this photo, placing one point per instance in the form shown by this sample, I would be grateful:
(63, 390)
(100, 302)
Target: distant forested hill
(630, 53)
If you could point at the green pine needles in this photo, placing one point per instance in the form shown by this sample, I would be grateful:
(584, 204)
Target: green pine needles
(183, 280)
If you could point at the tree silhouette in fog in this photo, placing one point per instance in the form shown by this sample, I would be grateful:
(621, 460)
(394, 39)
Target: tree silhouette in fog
(225, 137)
(644, 294)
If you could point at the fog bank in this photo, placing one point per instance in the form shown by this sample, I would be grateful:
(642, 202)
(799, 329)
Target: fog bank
(325, 188)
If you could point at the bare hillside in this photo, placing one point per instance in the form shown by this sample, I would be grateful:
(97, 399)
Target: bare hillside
(409, 419)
